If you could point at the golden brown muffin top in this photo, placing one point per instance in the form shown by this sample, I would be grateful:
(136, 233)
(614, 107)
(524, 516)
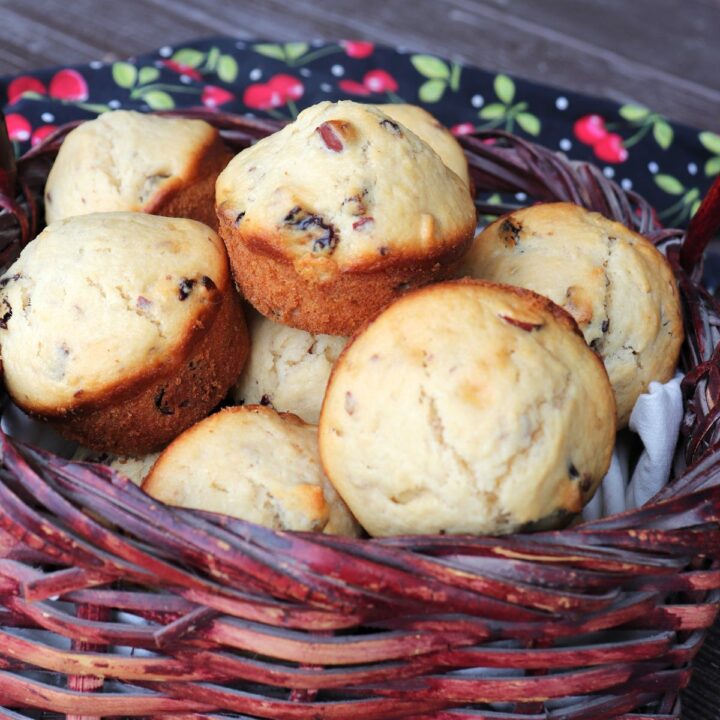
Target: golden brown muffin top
(97, 301)
(466, 407)
(345, 187)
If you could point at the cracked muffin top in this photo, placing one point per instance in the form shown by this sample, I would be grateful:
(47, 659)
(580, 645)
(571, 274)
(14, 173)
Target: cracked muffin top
(428, 128)
(255, 464)
(287, 368)
(614, 282)
(345, 187)
(97, 302)
(124, 160)
(467, 407)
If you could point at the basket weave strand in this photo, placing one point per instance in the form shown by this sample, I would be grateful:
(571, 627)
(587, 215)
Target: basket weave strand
(138, 609)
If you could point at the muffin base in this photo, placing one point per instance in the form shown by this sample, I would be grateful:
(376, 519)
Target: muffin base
(194, 198)
(149, 414)
(337, 306)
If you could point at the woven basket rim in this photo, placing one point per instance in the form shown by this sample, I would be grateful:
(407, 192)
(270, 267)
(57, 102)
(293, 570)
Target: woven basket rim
(432, 597)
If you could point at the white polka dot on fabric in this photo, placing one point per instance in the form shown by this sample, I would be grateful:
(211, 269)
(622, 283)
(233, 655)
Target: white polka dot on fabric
(520, 196)
(165, 51)
(305, 72)
(692, 168)
(653, 167)
(477, 101)
(114, 104)
(562, 103)
(239, 44)
(626, 184)
(326, 87)
(565, 144)
(47, 117)
(608, 172)
(337, 70)
(186, 79)
(255, 74)
(96, 65)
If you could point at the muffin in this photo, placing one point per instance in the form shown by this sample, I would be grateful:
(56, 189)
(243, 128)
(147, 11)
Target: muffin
(287, 368)
(254, 464)
(614, 282)
(434, 133)
(130, 161)
(121, 329)
(338, 213)
(133, 468)
(467, 407)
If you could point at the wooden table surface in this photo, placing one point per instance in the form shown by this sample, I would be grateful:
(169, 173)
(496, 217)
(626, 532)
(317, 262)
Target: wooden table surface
(661, 53)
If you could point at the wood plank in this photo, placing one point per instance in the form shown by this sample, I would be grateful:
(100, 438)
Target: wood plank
(603, 47)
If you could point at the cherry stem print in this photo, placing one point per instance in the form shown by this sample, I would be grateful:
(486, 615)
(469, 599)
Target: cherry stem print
(440, 75)
(711, 142)
(686, 205)
(292, 107)
(637, 137)
(640, 117)
(139, 92)
(505, 112)
(294, 54)
(312, 56)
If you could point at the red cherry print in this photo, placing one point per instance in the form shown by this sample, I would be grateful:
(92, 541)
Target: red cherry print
(351, 87)
(260, 96)
(611, 149)
(18, 127)
(590, 129)
(181, 69)
(358, 48)
(69, 85)
(379, 81)
(465, 128)
(213, 96)
(41, 133)
(25, 83)
(289, 87)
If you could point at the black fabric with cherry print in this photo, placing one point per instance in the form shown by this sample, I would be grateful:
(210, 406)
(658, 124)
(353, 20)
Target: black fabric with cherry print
(670, 164)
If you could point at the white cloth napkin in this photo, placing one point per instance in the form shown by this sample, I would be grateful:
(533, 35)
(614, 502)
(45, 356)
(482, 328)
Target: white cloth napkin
(654, 426)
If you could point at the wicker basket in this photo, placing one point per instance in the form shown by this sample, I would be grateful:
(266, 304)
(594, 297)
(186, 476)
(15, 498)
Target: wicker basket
(115, 605)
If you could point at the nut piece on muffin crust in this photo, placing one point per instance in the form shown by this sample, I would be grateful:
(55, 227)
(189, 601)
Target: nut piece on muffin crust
(288, 368)
(467, 407)
(131, 161)
(428, 128)
(122, 329)
(613, 281)
(338, 213)
(254, 464)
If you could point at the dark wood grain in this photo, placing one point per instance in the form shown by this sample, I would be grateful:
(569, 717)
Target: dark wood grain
(661, 53)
